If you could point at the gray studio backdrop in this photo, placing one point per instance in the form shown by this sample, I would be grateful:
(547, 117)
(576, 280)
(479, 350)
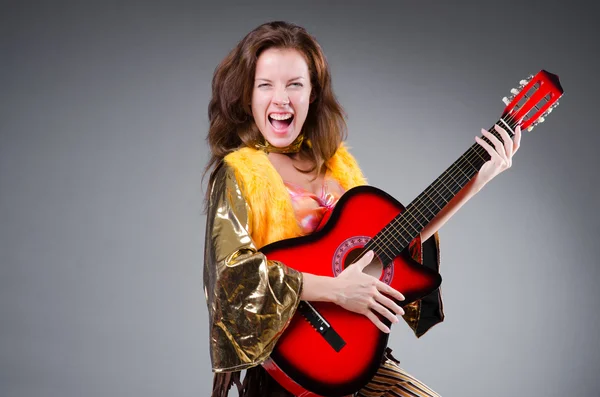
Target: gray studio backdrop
(103, 116)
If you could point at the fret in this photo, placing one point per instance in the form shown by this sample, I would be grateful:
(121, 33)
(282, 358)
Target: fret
(408, 224)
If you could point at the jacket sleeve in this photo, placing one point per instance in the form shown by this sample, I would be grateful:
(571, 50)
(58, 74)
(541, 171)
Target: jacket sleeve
(250, 299)
(428, 311)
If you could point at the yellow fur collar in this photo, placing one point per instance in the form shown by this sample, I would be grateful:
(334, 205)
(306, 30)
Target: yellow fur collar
(271, 215)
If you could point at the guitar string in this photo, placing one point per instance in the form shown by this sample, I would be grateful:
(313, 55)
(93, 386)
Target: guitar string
(477, 153)
(382, 247)
(451, 173)
(475, 150)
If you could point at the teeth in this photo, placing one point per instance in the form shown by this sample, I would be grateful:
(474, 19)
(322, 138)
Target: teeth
(281, 116)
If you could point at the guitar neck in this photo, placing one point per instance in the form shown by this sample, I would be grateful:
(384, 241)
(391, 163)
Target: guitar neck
(398, 234)
(527, 106)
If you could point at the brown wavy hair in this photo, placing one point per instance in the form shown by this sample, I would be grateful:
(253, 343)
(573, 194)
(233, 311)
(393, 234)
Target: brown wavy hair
(229, 111)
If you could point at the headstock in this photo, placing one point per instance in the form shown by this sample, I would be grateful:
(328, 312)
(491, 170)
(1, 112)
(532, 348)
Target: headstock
(531, 103)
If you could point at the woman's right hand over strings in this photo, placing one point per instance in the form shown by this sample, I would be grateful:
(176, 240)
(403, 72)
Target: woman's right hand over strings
(364, 294)
(356, 291)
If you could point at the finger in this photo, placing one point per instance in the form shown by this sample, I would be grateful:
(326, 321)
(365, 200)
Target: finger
(375, 320)
(508, 143)
(517, 139)
(493, 154)
(365, 260)
(497, 144)
(383, 287)
(389, 304)
(384, 311)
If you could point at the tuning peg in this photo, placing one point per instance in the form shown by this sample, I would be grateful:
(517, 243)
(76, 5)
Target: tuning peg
(514, 91)
(523, 83)
(540, 120)
(532, 126)
(506, 100)
(548, 111)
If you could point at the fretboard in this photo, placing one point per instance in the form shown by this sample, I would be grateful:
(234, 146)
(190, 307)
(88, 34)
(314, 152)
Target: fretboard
(398, 234)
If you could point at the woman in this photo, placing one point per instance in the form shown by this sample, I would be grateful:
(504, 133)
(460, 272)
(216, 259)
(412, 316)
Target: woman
(278, 167)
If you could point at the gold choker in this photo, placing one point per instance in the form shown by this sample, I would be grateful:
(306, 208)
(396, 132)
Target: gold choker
(293, 147)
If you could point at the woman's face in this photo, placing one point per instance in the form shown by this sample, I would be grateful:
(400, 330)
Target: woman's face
(281, 95)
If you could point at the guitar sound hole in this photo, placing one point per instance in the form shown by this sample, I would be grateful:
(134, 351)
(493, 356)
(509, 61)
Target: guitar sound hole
(375, 268)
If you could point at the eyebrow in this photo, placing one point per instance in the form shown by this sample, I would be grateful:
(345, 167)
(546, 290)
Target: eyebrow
(295, 78)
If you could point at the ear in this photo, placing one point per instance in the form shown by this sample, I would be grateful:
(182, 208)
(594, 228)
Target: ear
(313, 96)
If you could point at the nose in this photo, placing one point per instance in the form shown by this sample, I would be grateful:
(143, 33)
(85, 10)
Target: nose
(281, 98)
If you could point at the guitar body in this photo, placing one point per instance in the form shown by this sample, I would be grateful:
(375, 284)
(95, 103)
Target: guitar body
(303, 361)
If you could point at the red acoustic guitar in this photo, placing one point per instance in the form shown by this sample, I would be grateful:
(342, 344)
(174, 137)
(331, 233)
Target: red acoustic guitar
(329, 351)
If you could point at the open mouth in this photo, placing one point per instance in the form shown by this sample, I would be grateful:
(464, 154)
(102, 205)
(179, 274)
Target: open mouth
(281, 122)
